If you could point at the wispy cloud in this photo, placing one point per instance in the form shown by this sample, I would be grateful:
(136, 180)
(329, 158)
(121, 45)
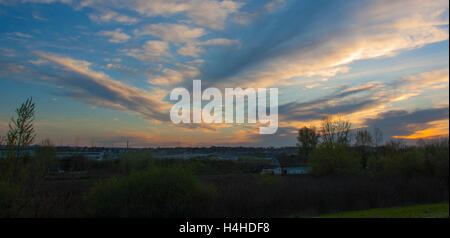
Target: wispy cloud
(377, 30)
(112, 16)
(117, 36)
(348, 100)
(20, 34)
(172, 32)
(151, 51)
(171, 77)
(404, 124)
(98, 89)
(194, 48)
(208, 13)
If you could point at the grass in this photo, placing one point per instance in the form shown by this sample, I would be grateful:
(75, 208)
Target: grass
(437, 210)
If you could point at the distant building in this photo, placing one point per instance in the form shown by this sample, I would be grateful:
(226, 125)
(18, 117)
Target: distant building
(4, 152)
(88, 155)
(68, 152)
(286, 164)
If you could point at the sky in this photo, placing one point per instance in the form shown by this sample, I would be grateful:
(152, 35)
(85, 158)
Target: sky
(101, 71)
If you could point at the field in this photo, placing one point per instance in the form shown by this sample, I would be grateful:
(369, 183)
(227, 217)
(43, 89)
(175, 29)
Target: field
(254, 195)
(139, 185)
(438, 210)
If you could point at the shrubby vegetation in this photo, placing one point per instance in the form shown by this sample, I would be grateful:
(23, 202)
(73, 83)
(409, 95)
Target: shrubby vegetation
(427, 160)
(135, 160)
(330, 153)
(9, 196)
(334, 159)
(282, 196)
(154, 192)
(22, 174)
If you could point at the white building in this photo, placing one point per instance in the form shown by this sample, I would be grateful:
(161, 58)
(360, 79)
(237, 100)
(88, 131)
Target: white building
(286, 165)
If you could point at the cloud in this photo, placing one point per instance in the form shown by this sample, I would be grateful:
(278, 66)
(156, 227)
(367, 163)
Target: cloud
(170, 77)
(219, 41)
(98, 89)
(280, 49)
(172, 32)
(23, 35)
(366, 106)
(151, 51)
(314, 85)
(244, 18)
(209, 13)
(275, 5)
(122, 68)
(38, 61)
(156, 48)
(12, 68)
(401, 123)
(191, 50)
(112, 16)
(414, 85)
(212, 14)
(194, 48)
(117, 36)
(344, 100)
(47, 1)
(37, 17)
(179, 33)
(362, 102)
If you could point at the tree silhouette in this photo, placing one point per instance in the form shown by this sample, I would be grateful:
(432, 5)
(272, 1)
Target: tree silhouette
(363, 138)
(336, 130)
(21, 131)
(307, 138)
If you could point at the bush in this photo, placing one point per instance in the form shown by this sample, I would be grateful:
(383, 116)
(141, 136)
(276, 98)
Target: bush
(409, 163)
(135, 160)
(334, 159)
(46, 157)
(9, 196)
(75, 163)
(155, 192)
(437, 158)
(103, 164)
(282, 196)
(20, 180)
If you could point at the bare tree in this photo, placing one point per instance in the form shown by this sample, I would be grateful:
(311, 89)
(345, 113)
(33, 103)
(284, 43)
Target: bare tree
(21, 131)
(307, 138)
(378, 136)
(363, 138)
(336, 130)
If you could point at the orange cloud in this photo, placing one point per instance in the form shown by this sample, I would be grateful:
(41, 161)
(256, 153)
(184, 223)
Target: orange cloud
(435, 129)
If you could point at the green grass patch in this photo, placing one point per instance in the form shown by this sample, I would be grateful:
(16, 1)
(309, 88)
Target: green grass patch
(438, 210)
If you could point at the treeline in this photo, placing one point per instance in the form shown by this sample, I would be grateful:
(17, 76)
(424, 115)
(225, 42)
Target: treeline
(331, 152)
(156, 188)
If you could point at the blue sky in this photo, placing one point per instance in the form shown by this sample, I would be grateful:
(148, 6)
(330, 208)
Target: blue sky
(100, 71)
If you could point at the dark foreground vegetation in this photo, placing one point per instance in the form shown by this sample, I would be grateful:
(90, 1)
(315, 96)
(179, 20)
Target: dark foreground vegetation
(342, 177)
(137, 185)
(435, 210)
